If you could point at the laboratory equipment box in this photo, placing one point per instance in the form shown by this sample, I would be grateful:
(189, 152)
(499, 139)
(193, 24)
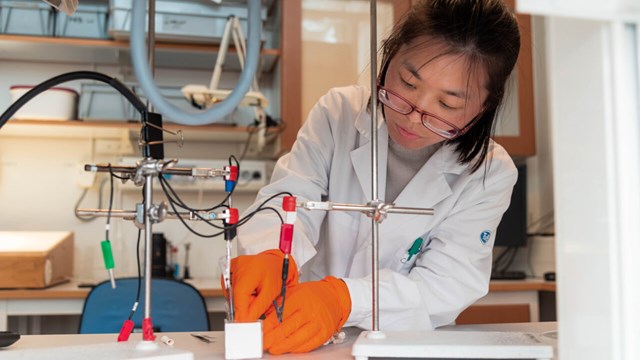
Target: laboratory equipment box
(26, 17)
(197, 21)
(35, 259)
(89, 21)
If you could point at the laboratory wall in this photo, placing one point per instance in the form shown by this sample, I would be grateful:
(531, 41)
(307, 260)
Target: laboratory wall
(42, 178)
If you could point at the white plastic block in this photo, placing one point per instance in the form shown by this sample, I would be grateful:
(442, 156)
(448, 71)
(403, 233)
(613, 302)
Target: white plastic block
(243, 340)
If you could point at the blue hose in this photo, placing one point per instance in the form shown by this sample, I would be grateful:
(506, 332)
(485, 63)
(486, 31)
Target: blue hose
(168, 110)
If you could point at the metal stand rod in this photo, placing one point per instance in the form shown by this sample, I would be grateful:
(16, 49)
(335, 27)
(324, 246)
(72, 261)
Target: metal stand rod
(148, 232)
(228, 269)
(368, 208)
(132, 214)
(195, 172)
(374, 167)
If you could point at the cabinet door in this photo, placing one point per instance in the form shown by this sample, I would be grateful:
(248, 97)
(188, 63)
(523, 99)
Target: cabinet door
(495, 314)
(333, 50)
(515, 130)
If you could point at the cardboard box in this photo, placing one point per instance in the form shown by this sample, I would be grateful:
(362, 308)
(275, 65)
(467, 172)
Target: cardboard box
(35, 259)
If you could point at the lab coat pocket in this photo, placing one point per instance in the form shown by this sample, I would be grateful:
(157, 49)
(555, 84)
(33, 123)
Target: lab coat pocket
(402, 261)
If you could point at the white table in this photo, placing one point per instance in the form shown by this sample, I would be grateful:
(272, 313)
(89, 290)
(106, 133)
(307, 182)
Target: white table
(215, 350)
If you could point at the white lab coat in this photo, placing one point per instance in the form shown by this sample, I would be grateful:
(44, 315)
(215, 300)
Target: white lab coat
(331, 161)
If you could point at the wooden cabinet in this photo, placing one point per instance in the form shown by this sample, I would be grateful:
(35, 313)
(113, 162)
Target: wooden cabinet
(511, 302)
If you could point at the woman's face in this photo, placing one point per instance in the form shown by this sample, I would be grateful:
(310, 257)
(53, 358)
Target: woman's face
(442, 85)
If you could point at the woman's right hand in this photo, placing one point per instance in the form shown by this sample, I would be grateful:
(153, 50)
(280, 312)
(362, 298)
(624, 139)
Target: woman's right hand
(257, 281)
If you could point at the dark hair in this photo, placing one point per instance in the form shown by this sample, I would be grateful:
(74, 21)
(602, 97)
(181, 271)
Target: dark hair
(483, 31)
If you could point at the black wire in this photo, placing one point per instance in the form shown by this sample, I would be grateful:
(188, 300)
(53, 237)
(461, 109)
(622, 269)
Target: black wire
(496, 262)
(70, 76)
(110, 203)
(182, 204)
(137, 301)
(541, 234)
(509, 254)
(119, 177)
(511, 259)
(164, 184)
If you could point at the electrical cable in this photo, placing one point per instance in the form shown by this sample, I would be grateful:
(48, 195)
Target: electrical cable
(77, 206)
(514, 252)
(70, 76)
(137, 300)
(110, 203)
(504, 261)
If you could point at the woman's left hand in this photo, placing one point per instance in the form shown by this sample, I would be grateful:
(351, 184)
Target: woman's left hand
(313, 312)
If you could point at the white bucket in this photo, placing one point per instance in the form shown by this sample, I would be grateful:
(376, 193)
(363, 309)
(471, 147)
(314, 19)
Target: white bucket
(57, 103)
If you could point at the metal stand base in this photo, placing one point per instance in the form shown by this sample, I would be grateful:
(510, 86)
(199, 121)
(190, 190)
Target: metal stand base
(452, 345)
(110, 351)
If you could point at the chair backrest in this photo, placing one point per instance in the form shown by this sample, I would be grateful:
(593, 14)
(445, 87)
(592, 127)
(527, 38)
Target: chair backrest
(175, 306)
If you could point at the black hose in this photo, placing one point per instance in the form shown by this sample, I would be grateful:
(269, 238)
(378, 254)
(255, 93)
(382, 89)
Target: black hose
(70, 76)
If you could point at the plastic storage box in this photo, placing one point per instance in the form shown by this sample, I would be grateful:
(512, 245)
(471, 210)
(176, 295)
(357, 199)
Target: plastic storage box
(172, 95)
(26, 17)
(102, 102)
(199, 21)
(99, 102)
(58, 103)
(89, 21)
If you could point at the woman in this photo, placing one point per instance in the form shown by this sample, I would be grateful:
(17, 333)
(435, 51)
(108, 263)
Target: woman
(442, 80)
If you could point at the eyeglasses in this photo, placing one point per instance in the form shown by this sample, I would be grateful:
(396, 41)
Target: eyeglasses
(432, 122)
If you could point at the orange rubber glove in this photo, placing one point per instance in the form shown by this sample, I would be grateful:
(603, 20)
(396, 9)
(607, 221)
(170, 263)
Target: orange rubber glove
(313, 312)
(257, 281)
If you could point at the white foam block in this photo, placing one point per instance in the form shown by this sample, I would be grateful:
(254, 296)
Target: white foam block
(453, 345)
(243, 340)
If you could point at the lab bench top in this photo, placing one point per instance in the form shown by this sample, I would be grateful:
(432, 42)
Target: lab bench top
(52, 345)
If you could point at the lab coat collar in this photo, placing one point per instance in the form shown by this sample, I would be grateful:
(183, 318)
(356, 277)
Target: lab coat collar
(443, 161)
(428, 187)
(361, 156)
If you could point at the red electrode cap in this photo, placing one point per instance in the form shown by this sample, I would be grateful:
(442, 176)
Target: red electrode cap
(286, 238)
(232, 214)
(125, 331)
(289, 203)
(233, 173)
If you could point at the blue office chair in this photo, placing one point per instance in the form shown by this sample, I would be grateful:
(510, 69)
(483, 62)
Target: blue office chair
(175, 306)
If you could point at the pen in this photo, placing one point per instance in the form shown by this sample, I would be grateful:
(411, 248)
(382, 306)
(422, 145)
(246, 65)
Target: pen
(415, 248)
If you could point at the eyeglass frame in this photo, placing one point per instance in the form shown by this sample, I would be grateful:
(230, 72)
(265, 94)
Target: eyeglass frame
(423, 114)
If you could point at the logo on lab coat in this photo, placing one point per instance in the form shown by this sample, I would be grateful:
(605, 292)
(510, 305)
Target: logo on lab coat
(485, 236)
